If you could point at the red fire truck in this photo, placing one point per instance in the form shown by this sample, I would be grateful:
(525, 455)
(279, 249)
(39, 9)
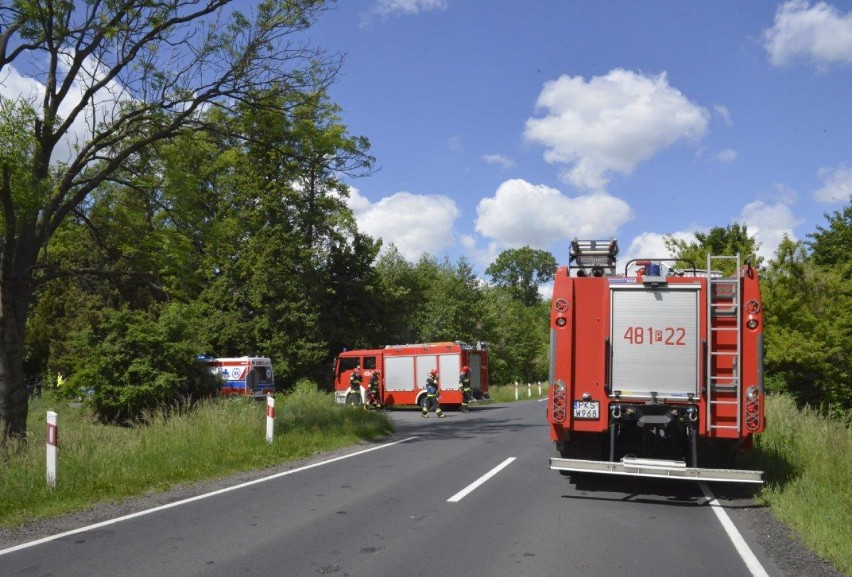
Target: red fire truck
(645, 364)
(404, 369)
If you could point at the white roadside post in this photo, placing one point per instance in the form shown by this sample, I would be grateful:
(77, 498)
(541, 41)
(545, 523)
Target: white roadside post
(529, 390)
(516, 390)
(539, 388)
(52, 440)
(270, 417)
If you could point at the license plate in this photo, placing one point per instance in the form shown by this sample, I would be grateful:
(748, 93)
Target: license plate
(587, 410)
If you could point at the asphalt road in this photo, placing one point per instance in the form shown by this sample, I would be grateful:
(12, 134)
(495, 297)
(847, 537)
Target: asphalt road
(470, 494)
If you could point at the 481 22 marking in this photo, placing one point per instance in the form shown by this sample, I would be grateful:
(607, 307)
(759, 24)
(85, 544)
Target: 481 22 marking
(668, 336)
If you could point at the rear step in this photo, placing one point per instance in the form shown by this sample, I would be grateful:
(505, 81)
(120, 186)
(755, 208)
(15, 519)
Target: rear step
(632, 466)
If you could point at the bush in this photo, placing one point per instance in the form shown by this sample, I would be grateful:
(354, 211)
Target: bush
(135, 363)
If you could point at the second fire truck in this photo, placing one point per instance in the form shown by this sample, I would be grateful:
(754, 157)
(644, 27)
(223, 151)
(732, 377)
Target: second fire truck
(403, 370)
(646, 364)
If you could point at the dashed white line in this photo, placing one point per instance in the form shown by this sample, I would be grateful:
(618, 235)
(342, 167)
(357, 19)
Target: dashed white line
(734, 535)
(470, 488)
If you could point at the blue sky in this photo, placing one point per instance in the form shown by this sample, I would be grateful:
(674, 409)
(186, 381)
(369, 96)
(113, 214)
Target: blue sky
(507, 123)
(504, 123)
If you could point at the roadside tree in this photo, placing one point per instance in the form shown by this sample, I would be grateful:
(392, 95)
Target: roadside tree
(719, 240)
(522, 271)
(105, 82)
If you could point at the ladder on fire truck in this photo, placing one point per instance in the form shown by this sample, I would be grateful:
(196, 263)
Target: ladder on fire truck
(595, 257)
(723, 383)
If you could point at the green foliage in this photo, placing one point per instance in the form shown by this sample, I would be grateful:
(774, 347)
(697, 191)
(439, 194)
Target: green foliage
(522, 271)
(400, 296)
(135, 363)
(731, 240)
(291, 276)
(18, 149)
(517, 338)
(807, 297)
(806, 458)
(429, 301)
(451, 309)
(830, 246)
(256, 305)
(808, 328)
(109, 187)
(349, 297)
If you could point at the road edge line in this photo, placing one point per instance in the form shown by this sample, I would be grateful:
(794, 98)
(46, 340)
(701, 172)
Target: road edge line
(195, 498)
(746, 554)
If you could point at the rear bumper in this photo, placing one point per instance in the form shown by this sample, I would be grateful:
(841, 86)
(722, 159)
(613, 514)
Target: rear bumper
(658, 468)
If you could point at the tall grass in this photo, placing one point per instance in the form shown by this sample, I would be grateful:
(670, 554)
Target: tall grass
(808, 463)
(104, 463)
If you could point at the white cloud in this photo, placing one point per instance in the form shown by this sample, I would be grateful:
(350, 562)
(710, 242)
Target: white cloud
(723, 113)
(837, 184)
(785, 194)
(651, 245)
(415, 224)
(819, 34)
(15, 86)
(521, 213)
(384, 9)
(727, 156)
(768, 223)
(611, 123)
(498, 159)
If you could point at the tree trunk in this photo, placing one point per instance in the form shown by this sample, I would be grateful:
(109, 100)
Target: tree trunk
(15, 292)
(14, 401)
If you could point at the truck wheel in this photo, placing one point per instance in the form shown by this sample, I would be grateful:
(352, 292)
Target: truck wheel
(353, 399)
(422, 402)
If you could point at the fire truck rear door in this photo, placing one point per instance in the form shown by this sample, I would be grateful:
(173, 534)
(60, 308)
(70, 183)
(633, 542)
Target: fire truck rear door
(655, 345)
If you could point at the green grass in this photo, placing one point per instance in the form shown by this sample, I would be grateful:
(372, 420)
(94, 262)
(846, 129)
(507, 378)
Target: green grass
(807, 457)
(506, 393)
(808, 463)
(98, 463)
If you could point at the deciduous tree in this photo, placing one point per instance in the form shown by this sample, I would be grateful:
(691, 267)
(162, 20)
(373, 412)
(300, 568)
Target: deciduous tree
(522, 271)
(721, 241)
(108, 80)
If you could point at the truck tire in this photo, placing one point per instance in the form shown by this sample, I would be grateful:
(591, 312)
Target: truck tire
(353, 399)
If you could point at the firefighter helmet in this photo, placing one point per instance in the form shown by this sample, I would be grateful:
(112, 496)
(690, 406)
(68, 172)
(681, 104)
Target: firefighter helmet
(433, 372)
(465, 369)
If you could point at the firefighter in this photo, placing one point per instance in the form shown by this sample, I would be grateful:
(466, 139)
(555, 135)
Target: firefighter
(464, 387)
(353, 397)
(374, 399)
(432, 393)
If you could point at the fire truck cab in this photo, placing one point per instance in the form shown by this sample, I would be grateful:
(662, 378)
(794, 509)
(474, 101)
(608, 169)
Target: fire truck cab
(403, 370)
(644, 364)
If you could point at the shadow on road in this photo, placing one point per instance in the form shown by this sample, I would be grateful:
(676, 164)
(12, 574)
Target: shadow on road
(457, 425)
(677, 493)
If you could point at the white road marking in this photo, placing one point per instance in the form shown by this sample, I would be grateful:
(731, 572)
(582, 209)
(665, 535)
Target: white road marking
(470, 488)
(748, 557)
(196, 498)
